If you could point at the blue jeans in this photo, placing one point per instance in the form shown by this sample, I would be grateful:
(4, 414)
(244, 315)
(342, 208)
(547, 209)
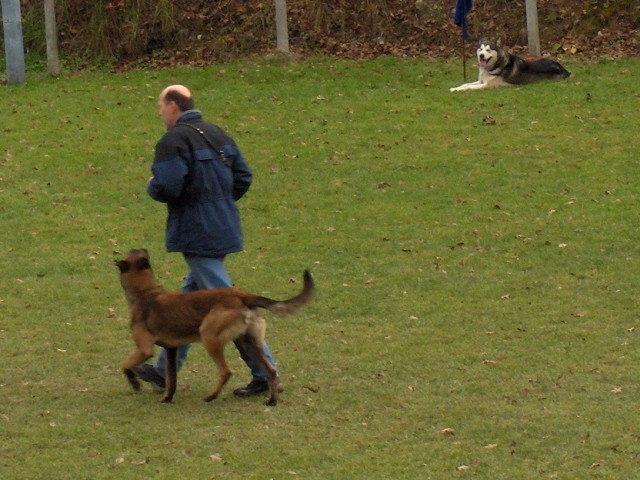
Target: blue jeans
(205, 273)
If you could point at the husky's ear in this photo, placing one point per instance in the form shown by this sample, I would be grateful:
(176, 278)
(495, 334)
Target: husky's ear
(123, 265)
(142, 264)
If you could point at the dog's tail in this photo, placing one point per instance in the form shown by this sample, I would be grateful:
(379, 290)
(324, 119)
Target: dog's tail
(286, 307)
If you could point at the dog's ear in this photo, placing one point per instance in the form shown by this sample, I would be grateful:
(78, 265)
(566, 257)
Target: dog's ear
(123, 265)
(142, 264)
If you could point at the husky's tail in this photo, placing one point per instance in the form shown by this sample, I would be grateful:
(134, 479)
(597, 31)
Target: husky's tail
(290, 306)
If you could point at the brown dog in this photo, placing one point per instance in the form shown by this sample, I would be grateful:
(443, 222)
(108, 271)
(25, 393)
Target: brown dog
(172, 319)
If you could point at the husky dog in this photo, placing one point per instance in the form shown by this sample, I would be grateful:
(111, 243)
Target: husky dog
(499, 68)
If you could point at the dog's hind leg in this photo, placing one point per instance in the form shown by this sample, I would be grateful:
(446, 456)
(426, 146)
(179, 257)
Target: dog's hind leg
(215, 348)
(170, 375)
(253, 343)
(216, 330)
(254, 348)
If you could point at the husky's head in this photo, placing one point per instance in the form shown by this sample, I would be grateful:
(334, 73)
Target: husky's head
(488, 54)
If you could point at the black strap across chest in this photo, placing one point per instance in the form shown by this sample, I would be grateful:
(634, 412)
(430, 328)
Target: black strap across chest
(227, 161)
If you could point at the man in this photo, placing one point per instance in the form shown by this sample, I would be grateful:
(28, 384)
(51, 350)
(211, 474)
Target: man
(199, 172)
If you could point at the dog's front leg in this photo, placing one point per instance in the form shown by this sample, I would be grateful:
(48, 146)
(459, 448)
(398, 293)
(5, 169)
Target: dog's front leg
(468, 86)
(136, 358)
(170, 375)
(143, 352)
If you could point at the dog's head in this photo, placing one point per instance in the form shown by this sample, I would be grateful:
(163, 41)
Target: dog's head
(135, 270)
(137, 259)
(488, 54)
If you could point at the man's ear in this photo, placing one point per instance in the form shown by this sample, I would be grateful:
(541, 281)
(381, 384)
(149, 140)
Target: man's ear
(123, 265)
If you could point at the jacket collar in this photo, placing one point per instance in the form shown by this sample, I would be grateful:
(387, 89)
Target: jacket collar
(189, 115)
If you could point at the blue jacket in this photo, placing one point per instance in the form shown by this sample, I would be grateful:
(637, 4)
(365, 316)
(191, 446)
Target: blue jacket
(200, 190)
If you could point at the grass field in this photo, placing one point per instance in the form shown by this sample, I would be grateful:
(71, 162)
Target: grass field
(475, 253)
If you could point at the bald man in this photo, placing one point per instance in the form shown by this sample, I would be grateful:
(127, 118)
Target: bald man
(199, 173)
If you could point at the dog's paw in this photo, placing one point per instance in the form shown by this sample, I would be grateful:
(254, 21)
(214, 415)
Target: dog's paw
(209, 398)
(133, 381)
(166, 399)
(271, 402)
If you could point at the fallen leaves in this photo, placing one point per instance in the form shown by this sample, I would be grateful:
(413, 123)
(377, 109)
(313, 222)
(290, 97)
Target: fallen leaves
(488, 120)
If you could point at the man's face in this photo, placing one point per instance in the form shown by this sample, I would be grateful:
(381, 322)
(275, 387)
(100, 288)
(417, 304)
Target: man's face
(168, 112)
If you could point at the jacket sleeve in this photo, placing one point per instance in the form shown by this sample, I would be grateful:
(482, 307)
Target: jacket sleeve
(169, 170)
(242, 176)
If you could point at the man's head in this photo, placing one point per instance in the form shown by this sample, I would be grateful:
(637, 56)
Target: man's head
(173, 102)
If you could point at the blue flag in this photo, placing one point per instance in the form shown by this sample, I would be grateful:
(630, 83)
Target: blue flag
(460, 17)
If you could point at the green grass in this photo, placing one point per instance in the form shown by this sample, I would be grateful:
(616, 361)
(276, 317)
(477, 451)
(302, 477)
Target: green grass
(471, 276)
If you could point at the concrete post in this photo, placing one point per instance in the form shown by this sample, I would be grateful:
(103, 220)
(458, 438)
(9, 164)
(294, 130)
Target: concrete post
(282, 30)
(51, 33)
(533, 33)
(13, 45)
